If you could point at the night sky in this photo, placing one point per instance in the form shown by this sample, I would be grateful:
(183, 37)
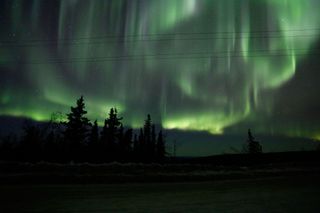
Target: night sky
(217, 67)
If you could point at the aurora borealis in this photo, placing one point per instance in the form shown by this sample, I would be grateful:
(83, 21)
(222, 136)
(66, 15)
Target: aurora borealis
(202, 65)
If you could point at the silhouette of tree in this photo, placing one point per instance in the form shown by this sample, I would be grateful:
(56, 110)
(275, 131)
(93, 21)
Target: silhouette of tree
(79, 140)
(126, 146)
(153, 142)
(51, 147)
(31, 143)
(76, 131)
(161, 148)
(94, 144)
(8, 147)
(146, 147)
(135, 150)
(110, 135)
(119, 143)
(149, 139)
(254, 146)
(141, 148)
(94, 135)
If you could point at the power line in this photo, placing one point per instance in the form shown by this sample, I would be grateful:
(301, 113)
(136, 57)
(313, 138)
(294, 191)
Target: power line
(146, 57)
(184, 53)
(149, 40)
(121, 39)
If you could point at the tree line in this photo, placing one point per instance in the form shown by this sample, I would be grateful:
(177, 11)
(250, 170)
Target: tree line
(79, 140)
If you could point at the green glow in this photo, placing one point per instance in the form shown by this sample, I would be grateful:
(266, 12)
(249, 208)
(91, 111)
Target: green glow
(211, 121)
(35, 115)
(317, 137)
(254, 47)
(167, 13)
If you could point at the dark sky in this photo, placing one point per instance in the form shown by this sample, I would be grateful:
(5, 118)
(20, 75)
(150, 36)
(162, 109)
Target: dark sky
(213, 67)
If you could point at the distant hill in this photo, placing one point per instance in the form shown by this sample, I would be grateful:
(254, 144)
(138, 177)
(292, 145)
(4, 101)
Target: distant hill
(10, 124)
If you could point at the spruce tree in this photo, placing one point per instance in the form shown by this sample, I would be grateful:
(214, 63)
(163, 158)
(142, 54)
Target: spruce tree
(254, 146)
(94, 135)
(153, 142)
(94, 145)
(141, 148)
(31, 145)
(51, 147)
(161, 148)
(135, 147)
(111, 134)
(147, 131)
(76, 131)
(149, 139)
(126, 145)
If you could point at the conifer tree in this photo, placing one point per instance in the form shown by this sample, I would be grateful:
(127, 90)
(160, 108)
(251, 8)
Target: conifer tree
(153, 142)
(31, 144)
(126, 145)
(135, 147)
(76, 131)
(120, 136)
(141, 146)
(147, 130)
(254, 146)
(94, 145)
(94, 135)
(149, 139)
(51, 147)
(111, 133)
(161, 148)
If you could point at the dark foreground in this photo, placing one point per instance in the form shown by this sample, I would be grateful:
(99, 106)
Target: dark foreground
(272, 194)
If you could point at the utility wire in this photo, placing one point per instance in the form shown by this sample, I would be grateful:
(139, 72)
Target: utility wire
(146, 57)
(167, 56)
(124, 37)
(146, 40)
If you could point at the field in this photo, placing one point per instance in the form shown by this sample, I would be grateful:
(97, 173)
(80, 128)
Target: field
(276, 194)
(285, 182)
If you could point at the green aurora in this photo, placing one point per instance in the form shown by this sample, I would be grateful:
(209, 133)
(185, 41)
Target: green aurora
(203, 65)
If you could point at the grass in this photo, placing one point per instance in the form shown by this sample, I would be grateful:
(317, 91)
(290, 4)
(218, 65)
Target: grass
(49, 173)
(276, 194)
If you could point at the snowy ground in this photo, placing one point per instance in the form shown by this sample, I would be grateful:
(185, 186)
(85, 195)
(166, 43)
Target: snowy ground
(277, 194)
